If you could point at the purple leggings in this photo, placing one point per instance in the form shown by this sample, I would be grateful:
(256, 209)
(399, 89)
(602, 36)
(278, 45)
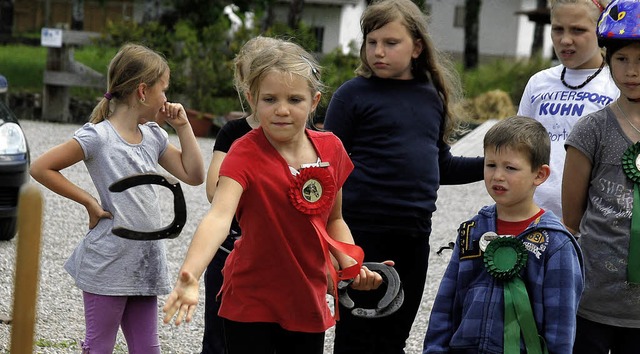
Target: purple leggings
(137, 315)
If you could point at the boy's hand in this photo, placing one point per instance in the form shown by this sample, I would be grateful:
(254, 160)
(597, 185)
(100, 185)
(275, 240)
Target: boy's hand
(367, 279)
(183, 299)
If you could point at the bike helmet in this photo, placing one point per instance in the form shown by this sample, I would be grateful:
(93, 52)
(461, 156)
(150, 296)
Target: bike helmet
(620, 21)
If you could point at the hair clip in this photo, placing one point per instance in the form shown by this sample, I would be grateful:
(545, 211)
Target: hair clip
(314, 71)
(108, 96)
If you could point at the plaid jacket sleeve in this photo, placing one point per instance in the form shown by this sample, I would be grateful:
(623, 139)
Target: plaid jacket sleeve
(557, 305)
(441, 323)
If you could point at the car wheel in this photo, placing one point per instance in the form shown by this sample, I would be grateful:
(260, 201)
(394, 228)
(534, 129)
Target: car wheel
(7, 228)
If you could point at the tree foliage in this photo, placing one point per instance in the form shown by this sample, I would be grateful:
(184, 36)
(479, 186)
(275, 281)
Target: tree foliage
(201, 59)
(202, 13)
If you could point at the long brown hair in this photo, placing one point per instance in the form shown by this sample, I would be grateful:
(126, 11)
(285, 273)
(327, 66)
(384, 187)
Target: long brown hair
(431, 64)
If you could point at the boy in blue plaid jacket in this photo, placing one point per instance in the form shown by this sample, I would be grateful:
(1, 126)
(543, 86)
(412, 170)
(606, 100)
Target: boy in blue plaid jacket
(511, 262)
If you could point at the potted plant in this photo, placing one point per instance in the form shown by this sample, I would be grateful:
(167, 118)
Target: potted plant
(201, 122)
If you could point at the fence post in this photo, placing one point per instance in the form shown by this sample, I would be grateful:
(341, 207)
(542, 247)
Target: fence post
(63, 72)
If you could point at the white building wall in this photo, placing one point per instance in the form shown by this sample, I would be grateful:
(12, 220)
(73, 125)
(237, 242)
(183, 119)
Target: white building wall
(524, 38)
(350, 26)
(440, 27)
(525, 34)
(318, 16)
(502, 31)
(498, 26)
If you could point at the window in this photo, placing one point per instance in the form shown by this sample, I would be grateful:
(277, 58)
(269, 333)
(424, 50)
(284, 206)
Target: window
(458, 17)
(318, 32)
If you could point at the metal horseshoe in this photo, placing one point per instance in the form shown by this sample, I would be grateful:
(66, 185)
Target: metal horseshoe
(390, 302)
(179, 207)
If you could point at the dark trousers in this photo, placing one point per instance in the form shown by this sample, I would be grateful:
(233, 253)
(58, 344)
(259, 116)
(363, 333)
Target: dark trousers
(385, 335)
(270, 338)
(213, 338)
(597, 338)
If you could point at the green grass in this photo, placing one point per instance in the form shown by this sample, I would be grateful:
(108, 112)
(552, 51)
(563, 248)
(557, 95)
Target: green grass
(65, 344)
(23, 66)
(97, 58)
(509, 75)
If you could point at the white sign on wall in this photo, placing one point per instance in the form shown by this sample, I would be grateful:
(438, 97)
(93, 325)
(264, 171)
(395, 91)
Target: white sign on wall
(51, 37)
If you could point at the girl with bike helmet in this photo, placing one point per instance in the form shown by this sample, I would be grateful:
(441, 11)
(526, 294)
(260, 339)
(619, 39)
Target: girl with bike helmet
(601, 185)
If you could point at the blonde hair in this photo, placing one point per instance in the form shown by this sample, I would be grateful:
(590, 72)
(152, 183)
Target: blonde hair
(591, 4)
(132, 65)
(285, 57)
(431, 64)
(243, 59)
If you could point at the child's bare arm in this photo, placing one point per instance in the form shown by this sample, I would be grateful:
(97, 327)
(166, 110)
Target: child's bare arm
(46, 170)
(575, 187)
(338, 230)
(185, 163)
(209, 235)
(214, 172)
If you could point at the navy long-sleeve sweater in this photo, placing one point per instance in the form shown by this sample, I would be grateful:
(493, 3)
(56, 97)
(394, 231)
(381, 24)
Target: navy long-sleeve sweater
(392, 130)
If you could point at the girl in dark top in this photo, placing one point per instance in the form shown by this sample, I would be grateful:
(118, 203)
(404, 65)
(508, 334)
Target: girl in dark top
(213, 337)
(600, 189)
(395, 120)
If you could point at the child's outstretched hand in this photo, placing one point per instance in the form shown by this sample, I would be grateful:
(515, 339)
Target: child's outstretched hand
(183, 299)
(367, 279)
(174, 114)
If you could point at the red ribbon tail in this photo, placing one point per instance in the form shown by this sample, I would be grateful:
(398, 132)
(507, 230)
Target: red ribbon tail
(350, 250)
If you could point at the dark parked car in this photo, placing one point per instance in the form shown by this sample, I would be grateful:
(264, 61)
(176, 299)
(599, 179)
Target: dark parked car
(14, 169)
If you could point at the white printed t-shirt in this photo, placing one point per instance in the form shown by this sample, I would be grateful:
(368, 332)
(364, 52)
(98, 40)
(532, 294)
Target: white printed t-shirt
(558, 108)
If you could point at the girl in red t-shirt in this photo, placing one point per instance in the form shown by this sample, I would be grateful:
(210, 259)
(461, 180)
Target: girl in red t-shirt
(285, 182)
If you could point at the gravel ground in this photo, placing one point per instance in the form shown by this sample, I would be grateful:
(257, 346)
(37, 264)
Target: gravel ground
(60, 321)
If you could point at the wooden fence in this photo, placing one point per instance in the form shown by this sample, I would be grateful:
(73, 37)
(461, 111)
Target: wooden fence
(63, 72)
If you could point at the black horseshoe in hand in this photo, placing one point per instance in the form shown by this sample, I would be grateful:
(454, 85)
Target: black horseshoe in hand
(390, 302)
(179, 207)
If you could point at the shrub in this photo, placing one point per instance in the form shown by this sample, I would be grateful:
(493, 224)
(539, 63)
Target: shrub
(338, 67)
(495, 104)
(201, 60)
(303, 35)
(508, 75)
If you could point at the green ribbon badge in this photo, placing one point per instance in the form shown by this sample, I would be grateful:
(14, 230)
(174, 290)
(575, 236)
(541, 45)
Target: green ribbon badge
(504, 258)
(631, 167)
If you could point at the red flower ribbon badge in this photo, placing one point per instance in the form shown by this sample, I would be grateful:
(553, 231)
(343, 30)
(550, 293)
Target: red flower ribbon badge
(313, 190)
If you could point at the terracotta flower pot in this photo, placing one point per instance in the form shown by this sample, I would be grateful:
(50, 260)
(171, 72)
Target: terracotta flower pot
(201, 123)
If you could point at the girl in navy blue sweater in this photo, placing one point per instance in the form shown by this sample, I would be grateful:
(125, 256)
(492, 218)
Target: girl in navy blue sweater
(395, 120)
